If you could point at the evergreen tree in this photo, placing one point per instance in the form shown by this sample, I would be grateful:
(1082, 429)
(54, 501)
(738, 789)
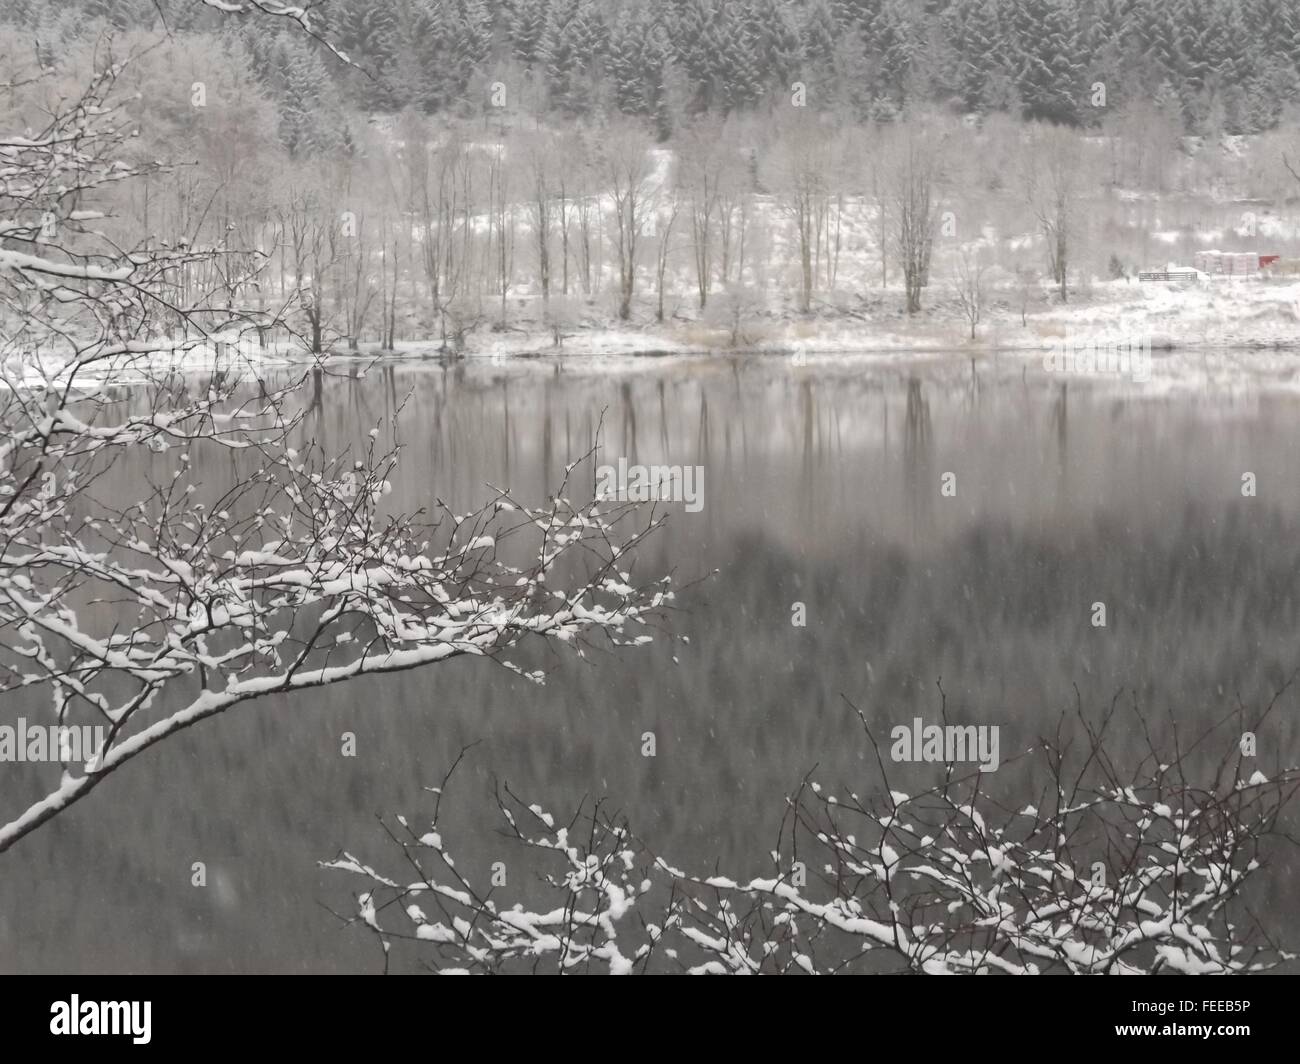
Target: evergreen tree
(1108, 37)
(1234, 72)
(471, 40)
(366, 31)
(561, 60)
(527, 20)
(1106, 24)
(590, 33)
(369, 34)
(639, 55)
(738, 69)
(1274, 28)
(1157, 34)
(852, 75)
(973, 37)
(778, 50)
(1196, 46)
(1229, 63)
(656, 56)
(1230, 51)
(1049, 65)
(310, 116)
(622, 66)
(893, 48)
(261, 49)
(121, 14)
(428, 69)
(856, 14)
(819, 34)
(696, 50)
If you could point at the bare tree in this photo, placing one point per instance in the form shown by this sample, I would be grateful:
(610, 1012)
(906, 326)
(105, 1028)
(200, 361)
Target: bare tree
(803, 183)
(582, 183)
(1290, 169)
(734, 309)
(501, 220)
(358, 288)
(668, 207)
(733, 227)
(627, 171)
(878, 167)
(310, 226)
(1052, 176)
(970, 268)
(444, 179)
(542, 208)
(913, 172)
(703, 163)
(564, 219)
(1026, 285)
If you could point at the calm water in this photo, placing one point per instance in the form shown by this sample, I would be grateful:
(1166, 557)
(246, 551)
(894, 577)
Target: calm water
(821, 486)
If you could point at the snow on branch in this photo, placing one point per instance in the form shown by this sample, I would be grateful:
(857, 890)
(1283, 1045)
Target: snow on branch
(142, 603)
(1109, 873)
(299, 576)
(299, 14)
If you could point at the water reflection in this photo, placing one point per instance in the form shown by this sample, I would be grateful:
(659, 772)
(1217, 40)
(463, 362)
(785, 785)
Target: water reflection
(822, 485)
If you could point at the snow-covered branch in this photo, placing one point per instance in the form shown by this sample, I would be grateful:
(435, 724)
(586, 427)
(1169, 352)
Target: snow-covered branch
(299, 14)
(144, 605)
(1109, 874)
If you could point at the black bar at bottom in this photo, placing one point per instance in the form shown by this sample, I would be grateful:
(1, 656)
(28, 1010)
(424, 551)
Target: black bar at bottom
(340, 1014)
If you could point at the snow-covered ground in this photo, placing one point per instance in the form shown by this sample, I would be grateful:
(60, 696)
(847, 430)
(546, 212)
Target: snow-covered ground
(1219, 315)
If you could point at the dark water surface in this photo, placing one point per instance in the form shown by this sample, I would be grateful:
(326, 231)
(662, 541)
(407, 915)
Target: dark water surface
(821, 486)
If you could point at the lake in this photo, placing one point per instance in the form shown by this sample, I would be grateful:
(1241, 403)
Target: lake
(822, 486)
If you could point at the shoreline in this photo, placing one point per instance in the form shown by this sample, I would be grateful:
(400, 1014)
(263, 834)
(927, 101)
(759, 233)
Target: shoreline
(1263, 317)
(1161, 326)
